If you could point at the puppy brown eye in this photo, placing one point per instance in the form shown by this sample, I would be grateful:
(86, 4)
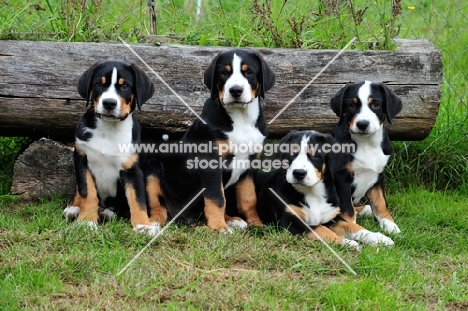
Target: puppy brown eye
(125, 87)
(224, 73)
(248, 73)
(98, 85)
(375, 106)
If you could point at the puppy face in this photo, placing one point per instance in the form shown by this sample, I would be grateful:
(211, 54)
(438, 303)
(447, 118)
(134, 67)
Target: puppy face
(307, 161)
(365, 105)
(115, 89)
(364, 109)
(237, 77)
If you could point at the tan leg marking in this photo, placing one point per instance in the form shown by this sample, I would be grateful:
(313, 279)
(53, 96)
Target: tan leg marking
(341, 228)
(247, 201)
(326, 234)
(379, 205)
(153, 191)
(89, 205)
(138, 215)
(215, 215)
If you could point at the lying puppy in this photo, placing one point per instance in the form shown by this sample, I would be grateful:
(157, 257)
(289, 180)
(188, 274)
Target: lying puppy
(314, 192)
(362, 108)
(238, 80)
(105, 175)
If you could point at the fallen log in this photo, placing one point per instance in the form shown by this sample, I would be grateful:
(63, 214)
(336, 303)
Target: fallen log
(38, 80)
(43, 170)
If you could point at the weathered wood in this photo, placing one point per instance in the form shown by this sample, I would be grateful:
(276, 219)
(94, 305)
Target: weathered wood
(44, 169)
(38, 85)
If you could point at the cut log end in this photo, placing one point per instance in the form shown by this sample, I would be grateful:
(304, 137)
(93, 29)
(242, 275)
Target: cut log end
(45, 169)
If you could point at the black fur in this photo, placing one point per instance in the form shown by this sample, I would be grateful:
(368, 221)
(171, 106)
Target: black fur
(181, 183)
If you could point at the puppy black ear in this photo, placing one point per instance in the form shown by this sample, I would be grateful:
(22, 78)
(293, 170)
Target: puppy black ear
(392, 105)
(336, 103)
(268, 78)
(85, 83)
(211, 76)
(143, 86)
(327, 139)
(286, 138)
(283, 151)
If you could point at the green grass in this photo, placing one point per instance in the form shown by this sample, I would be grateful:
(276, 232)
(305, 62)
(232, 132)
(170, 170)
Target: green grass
(439, 162)
(49, 264)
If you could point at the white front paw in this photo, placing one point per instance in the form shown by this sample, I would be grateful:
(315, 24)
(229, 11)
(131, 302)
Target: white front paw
(237, 224)
(150, 230)
(107, 214)
(92, 225)
(373, 238)
(388, 226)
(71, 212)
(366, 211)
(226, 230)
(351, 244)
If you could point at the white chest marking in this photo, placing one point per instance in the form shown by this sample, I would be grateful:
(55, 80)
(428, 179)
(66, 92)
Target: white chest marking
(243, 138)
(369, 161)
(104, 156)
(318, 211)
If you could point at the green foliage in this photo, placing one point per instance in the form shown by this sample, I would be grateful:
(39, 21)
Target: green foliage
(48, 264)
(9, 149)
(438, 162)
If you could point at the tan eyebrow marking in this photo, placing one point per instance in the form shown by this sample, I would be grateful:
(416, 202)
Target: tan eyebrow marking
(103, 80)
(228, 68)
(245, 67)
(121, 81)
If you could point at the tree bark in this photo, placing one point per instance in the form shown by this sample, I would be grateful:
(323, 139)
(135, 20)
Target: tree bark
(38, 95)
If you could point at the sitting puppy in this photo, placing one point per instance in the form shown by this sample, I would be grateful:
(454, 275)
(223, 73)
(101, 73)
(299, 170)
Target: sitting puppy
(107, 176)
(362, 108)
(313, 192)
(238, 79)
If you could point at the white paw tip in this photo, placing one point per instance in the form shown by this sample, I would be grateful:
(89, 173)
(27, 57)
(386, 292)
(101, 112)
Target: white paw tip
(226, 230)
(107, 214)
(92, 225)
(150, 230)
(380, 239)
(388, 226)
(71, 212)
(351, 244)
(237, 224)
(366, 211)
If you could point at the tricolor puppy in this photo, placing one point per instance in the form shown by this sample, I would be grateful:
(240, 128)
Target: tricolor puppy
(238, 80)
(362, 108)
(313, 192)
(107, 176)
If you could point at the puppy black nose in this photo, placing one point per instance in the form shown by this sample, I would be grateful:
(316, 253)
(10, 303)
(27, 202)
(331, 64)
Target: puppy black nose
(299, 174)
(109, 104)
(236, 91)
(362, 125)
